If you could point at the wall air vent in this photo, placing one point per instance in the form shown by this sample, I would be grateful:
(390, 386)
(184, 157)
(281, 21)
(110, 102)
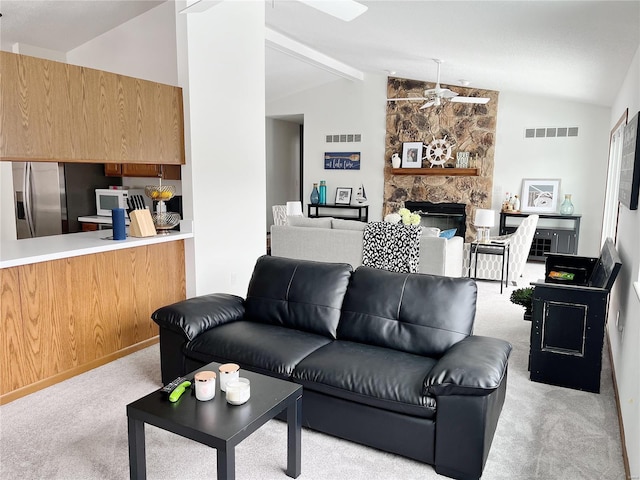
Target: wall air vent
(550, 132)
(344, 137)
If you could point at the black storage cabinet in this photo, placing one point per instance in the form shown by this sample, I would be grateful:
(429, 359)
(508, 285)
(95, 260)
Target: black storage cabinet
(569, 315)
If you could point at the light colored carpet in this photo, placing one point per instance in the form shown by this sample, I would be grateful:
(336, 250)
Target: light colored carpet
(78, 430)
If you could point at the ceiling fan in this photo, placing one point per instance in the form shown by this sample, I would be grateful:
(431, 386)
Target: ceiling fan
(345, 10)
(435, 96)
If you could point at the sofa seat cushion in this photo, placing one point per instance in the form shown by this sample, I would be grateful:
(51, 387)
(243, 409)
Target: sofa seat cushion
(259, 347)
(366, 374)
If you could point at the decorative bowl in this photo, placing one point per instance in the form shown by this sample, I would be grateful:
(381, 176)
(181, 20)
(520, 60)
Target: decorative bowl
(165, 221)
(160, 193)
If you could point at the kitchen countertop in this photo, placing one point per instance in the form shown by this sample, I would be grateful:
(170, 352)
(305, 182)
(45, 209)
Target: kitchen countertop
(100, 219)
(42, 249)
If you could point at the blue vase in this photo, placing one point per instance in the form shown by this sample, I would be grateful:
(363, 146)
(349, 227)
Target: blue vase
(315, 195)
(323, 192)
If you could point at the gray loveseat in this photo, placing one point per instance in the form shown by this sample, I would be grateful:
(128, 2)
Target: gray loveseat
(386, 359)
(334, 240)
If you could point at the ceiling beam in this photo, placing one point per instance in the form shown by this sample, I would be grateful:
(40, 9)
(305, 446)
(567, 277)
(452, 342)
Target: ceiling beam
(288, 46)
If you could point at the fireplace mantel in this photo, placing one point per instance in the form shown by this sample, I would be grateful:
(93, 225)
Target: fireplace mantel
(443, 172)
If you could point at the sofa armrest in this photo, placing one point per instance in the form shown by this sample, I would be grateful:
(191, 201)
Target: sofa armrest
(196, 315)
(474, 366)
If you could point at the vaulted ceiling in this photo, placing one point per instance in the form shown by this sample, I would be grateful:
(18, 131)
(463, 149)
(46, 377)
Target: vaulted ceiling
(577, 50)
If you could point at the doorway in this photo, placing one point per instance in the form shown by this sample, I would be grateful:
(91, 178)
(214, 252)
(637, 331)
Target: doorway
(284, 161)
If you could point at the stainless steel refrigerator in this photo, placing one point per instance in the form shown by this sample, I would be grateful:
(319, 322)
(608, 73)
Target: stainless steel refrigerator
(49, 197)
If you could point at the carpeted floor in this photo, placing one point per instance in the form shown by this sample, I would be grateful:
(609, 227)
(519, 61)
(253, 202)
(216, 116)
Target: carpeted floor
(78, 430)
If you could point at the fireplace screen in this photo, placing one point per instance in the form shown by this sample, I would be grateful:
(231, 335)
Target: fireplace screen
(441, 215)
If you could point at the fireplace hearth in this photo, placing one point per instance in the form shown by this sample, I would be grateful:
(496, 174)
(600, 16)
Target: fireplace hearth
(441, 215)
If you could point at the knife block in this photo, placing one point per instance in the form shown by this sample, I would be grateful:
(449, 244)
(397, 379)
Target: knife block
(141, 224)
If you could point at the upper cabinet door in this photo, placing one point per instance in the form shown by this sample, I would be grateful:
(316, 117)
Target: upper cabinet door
(55, 111)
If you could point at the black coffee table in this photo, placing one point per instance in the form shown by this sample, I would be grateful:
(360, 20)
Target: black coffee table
(216, 423)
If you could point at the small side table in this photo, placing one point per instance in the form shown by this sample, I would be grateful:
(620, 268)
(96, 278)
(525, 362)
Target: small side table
(501, 248)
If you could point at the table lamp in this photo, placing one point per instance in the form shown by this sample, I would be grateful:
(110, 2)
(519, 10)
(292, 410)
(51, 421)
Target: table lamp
(294, 209)
(483, 221)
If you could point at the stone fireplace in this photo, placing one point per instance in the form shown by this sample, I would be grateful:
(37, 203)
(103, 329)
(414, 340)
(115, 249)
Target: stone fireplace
(468, 127)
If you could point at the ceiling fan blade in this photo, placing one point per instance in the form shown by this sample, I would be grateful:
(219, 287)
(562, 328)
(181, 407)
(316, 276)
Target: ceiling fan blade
(430, 103)
(446, 93)
(345, 10)
(480, 100)
(405, 99)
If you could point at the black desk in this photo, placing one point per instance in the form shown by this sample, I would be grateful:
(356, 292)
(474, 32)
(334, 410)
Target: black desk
(216, 423)
(494, 248)
(313, 211)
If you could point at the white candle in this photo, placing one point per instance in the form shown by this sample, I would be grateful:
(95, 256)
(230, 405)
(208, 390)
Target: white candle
(238, 391)
(205, 385)
(228, 372)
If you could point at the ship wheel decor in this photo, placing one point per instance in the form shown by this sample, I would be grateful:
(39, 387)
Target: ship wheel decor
(438, 152)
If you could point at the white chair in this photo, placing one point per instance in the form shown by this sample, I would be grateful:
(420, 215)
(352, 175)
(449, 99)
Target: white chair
(489, 266)
(279, 214)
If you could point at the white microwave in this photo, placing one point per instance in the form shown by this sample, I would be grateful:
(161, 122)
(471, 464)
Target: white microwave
(107, 199)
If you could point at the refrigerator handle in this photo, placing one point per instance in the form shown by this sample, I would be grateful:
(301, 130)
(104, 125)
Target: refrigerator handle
(28, 212)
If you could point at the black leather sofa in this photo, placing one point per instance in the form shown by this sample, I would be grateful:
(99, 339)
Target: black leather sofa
(386, 359)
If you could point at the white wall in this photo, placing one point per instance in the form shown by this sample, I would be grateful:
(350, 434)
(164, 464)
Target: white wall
(223, 80)
(342, 106)
(579, 162)
(624, 308)
(144, 47)
(282, 164)
(38, 52)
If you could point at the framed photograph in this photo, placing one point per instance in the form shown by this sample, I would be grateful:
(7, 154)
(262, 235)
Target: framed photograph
(343, 196)
(412, 155)
(540, 196)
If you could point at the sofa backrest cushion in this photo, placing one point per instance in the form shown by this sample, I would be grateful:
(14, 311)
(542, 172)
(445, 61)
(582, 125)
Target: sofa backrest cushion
(414, 313)
(297, 294)
(340, 224)
(298, 221)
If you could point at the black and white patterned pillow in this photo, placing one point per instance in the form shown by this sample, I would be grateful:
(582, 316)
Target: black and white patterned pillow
(392, 246)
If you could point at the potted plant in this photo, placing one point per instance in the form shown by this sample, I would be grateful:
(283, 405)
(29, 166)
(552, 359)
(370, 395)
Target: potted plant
(523, 296)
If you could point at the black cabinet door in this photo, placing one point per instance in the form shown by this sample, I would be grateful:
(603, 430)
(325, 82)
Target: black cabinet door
(566, 242)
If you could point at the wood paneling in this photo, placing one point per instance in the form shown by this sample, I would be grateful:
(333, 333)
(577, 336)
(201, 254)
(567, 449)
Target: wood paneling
(55, 111)
(11, 339)
(62, 315)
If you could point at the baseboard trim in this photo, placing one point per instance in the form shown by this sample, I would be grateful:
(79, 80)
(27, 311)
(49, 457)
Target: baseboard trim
(47, 382)
(625, 458)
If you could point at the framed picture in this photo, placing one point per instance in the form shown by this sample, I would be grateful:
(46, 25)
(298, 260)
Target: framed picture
(629, 188)
(540, 196)
(342, 160)
(343, 196)
(412, 155)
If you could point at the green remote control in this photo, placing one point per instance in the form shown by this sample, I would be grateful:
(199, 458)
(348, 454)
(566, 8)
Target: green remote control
(176, 388)
(175, 395)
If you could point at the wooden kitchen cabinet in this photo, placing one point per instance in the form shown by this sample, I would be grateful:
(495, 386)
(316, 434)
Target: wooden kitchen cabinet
(167, 172)
(63, 317)
(53, 111)
(113, 169)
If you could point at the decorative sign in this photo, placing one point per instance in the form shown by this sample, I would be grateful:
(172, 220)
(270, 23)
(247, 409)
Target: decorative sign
(630, 166)
(462, 160)
(342, 161)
